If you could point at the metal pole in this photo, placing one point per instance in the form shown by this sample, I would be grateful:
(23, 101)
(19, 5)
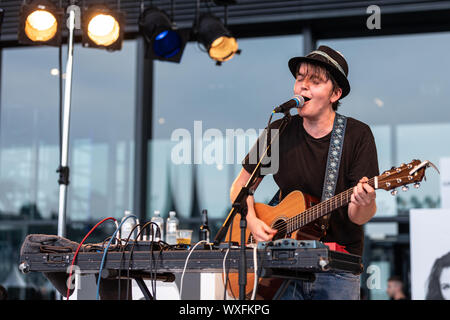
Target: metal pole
(64, 170)
(143, 131)
(309, 41)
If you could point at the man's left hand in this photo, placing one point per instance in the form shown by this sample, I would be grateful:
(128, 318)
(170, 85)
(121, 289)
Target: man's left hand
(363, 194)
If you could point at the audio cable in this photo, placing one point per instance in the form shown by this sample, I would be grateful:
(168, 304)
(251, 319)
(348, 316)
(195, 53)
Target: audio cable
(78, 249)
(105, 251)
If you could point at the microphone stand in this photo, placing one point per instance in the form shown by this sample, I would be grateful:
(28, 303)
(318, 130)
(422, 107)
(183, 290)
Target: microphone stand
(240, 206)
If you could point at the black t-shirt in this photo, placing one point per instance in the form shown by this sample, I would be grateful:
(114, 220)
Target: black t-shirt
(302, 164)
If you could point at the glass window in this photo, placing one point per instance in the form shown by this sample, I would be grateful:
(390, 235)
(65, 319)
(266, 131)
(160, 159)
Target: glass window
(226, 106)
(100, 158)
(101, 131)
(402, 94)
(29, 131)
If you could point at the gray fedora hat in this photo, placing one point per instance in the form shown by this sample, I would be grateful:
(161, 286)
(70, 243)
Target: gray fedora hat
(331, 60)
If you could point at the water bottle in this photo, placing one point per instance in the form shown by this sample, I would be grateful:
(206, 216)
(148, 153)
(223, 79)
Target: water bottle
(160, 222)
(128, 225)
(171, 228)
(204, 228)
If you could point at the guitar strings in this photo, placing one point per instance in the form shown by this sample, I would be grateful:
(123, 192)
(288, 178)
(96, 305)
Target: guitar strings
(329, 205)
(315, 212)
(309, 214)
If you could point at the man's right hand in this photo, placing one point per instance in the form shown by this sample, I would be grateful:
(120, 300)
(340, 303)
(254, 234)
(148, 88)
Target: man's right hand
(260, 230)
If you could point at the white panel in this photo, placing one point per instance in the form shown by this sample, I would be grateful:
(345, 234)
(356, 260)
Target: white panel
(430, 240)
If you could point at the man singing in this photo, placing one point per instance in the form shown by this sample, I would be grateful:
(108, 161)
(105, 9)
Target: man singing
(304, 145)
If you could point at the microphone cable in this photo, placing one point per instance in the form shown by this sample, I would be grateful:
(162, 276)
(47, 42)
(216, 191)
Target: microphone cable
(105, 251)
(151, 251)
(122, 250)
(78, 249)
(226, 278)
(258, 266)
(255, 269)
(185, 265)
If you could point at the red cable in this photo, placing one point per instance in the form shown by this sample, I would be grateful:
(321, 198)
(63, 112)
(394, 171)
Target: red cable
(78, 249)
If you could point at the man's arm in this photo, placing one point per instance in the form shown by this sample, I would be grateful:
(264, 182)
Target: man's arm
(362, 206)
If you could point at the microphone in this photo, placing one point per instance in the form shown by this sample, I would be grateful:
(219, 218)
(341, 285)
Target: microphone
(296, 102)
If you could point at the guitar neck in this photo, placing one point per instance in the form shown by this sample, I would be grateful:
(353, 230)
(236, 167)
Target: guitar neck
(321, 209)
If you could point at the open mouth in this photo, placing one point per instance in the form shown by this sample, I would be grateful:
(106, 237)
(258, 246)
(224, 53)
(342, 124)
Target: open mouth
(306, 100)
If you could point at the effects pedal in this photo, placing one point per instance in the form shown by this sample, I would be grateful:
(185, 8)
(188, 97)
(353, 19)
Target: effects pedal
(291, 244)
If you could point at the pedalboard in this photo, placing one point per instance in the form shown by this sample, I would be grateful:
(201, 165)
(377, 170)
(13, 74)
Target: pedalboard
(290, 244)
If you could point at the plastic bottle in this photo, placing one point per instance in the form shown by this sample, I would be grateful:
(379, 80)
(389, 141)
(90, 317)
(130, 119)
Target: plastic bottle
(160, 222)
(128, 225)
(204, 233)
(171, 228)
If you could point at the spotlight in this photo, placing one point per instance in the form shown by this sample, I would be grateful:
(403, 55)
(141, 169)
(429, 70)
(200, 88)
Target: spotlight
(40, 23)
(164, 42)
(218, 41)
(102, 28)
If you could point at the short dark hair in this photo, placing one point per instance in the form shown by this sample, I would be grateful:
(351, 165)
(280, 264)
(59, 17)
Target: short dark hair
(395, 278)
(319, 71)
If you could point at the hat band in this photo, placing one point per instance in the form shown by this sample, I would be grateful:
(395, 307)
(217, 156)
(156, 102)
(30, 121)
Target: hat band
(323, 54)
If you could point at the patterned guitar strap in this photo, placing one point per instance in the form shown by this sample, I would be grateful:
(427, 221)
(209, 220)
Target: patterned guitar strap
(333, 162)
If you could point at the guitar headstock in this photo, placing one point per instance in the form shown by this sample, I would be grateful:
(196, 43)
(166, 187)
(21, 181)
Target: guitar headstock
(404, 175)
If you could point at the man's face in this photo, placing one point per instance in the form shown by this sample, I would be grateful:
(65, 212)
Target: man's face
(318, 89)
(444, 282)
(392, 288)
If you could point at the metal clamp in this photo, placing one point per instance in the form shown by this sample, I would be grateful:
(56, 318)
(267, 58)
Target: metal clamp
(426, 163)
(24, 267)
(324, 264)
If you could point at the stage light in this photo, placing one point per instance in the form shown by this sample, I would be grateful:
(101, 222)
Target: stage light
(164, 42)
(40, 23)
(218, 41)
(102, 28)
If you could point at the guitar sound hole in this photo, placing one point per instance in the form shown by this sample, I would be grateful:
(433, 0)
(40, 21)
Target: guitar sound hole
(279, 225)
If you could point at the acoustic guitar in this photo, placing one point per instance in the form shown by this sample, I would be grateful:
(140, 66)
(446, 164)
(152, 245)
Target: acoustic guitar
(301, 216)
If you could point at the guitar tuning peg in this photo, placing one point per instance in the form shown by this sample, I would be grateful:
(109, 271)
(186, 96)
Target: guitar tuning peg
(417, 185)
(405, 188)
(394, 192)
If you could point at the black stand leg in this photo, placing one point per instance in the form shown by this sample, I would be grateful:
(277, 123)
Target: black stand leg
(144, 289)
(243, 258)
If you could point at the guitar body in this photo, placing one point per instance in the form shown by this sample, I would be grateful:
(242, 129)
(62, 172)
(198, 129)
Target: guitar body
(294, 203)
